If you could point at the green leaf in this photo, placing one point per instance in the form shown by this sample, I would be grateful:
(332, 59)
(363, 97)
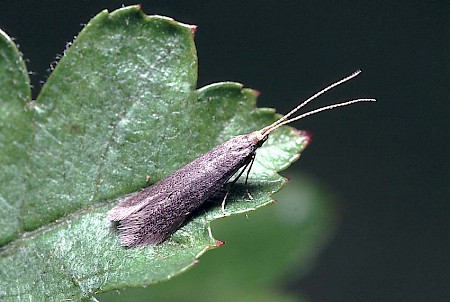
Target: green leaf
(15, 131)
(120, 105)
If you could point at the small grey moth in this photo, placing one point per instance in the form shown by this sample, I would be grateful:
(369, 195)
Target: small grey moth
(150, 216)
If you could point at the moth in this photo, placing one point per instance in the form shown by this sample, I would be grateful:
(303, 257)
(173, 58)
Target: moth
(151, 215)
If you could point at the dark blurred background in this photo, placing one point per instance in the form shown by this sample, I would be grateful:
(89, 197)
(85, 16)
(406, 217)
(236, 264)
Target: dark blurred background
(387, 162)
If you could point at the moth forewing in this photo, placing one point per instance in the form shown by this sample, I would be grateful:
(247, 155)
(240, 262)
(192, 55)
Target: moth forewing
(151, 215)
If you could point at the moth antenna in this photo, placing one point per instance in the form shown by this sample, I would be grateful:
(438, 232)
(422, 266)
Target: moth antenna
(284, 120)
(316, 95)
(269, 130)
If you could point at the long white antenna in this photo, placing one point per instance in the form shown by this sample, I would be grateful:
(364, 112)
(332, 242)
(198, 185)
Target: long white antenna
(284, 120)
(319, 110)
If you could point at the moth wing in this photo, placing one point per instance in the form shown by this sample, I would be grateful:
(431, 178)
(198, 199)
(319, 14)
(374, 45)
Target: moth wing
(150, 196)
(148, 226)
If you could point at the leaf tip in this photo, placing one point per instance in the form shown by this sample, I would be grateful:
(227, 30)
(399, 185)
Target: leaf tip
(255, 92)
(193, 28)
(307, 135)
(219, 243)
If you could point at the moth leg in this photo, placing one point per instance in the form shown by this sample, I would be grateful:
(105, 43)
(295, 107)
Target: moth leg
(246, 177)
(233, 183)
